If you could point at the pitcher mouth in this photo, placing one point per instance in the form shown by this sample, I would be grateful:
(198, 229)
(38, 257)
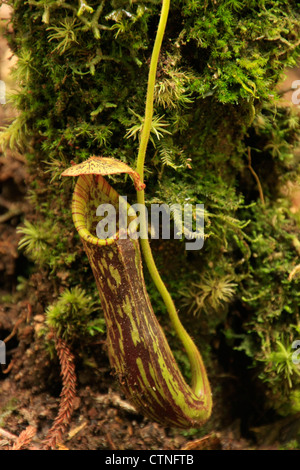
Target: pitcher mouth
(91, 191)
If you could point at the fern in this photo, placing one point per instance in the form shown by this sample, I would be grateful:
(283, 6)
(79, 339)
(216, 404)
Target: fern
(166, 153)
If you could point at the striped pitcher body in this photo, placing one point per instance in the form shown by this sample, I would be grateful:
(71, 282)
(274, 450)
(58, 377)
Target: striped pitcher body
(138, 350)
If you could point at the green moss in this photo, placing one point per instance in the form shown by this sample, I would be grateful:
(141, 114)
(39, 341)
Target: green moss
(8, 409)
(70, 316)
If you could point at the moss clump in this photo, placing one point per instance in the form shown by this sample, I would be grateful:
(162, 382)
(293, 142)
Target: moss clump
(71, 315)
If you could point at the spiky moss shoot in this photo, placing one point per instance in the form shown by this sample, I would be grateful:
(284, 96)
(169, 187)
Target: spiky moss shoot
(43, 244)
(37, 240)
(70, 315)
(210, 294)
(282, 364)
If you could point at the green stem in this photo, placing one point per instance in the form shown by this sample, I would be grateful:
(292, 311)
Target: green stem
(199, 377)
(150, 88)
